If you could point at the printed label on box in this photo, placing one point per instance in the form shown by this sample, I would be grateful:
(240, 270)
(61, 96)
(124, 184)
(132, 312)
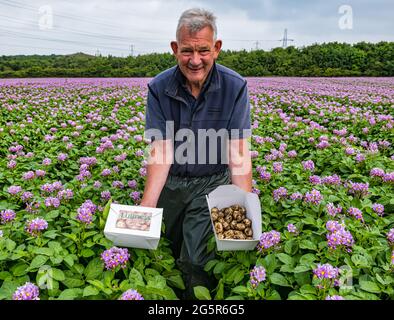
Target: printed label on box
(134, 220)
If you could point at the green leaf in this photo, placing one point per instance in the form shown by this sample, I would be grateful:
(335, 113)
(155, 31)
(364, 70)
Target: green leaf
(97, 283)
(279, 280)
(5, 275)
(70, 294)
(108, 277)
(136, 278)
(369, 286)
(240, 290)
(44, 251)
(58, 274)
(69, 260)
(307, 244)
(10, 245)
(202, 293)
(94, 269)
(301, 268)
(106, 209)
(285, 258)
(7, 289)
(86, 253)
(90, 291)
(307, 259)
(38, 261)
(19, 269)
(291, 247)
(73, 282)
(219, 267)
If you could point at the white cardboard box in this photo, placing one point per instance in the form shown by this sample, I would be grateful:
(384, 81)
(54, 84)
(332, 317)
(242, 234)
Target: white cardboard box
(134, 226)
(228, 195)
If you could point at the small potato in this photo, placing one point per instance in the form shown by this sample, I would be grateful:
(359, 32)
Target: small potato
(221, 214)
(233, 224)
(247, 222)
(248, 232)
(215, 216)
(242, 210)
(241, 226)
(228, 218)
(239, 217)
(220, 236)
(214, 210)
(249, 238)
(228, 211)
(229, 234)
(221, 220)
(239, 235)
(218, 227)
(226, 226)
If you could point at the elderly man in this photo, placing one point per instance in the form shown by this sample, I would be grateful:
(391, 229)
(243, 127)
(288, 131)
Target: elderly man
(195, 100)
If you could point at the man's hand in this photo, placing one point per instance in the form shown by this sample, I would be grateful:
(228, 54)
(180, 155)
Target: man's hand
(159, 163)
(240, 164)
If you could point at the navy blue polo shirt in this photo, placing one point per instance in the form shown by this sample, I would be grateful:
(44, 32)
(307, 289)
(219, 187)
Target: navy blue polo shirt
(198, 127)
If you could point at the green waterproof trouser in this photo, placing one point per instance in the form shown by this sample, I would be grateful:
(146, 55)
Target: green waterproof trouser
(188, 225)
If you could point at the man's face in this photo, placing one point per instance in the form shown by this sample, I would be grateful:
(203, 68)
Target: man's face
(196, 54)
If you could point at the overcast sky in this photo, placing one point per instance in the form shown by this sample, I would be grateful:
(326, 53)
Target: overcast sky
(124, 27)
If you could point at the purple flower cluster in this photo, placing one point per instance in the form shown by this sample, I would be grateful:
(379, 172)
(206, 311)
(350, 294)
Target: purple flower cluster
(90, 161)
(62, 157)
(131, 295)
(105, 195)
(315, 180)
(106, 172)
(132, 184)
(338, 236)
(277, 167)
(35, 226)
(332, 180)
(335, 297)
(135, 195)
(52, 202)
(114, 257)
(378, 208)
(308, 165)
(355, 212)
(28, 291)
(268, 240)
(29, 175)
(390, 236)
(7, 216)
(296, 196)
(292, 228)
(120, 157)
(332, 210)
(358, 189)
(326, 271)
(280, 193)
(65, 194)
(14, 190)
(313, 197)
(86, 212)
(257, 275)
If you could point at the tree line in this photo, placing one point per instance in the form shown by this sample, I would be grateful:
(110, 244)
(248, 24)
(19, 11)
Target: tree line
(318, 60)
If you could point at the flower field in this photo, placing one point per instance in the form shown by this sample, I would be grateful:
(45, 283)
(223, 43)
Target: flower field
(323, 167)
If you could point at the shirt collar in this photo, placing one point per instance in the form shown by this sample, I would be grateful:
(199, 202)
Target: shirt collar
(212, 82)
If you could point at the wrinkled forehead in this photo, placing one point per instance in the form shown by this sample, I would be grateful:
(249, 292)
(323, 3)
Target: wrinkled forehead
(187, 35)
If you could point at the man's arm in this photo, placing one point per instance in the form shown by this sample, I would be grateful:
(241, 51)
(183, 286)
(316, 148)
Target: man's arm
(240, 164)
(159, 163)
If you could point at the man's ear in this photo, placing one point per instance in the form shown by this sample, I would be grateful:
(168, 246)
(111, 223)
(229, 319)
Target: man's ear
(218, 47)
(174, 47)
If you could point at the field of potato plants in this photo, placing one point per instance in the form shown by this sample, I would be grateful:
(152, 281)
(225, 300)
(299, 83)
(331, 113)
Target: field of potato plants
(323, 167)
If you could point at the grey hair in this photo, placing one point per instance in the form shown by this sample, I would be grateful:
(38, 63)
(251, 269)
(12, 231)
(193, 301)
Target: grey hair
(196, 19)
